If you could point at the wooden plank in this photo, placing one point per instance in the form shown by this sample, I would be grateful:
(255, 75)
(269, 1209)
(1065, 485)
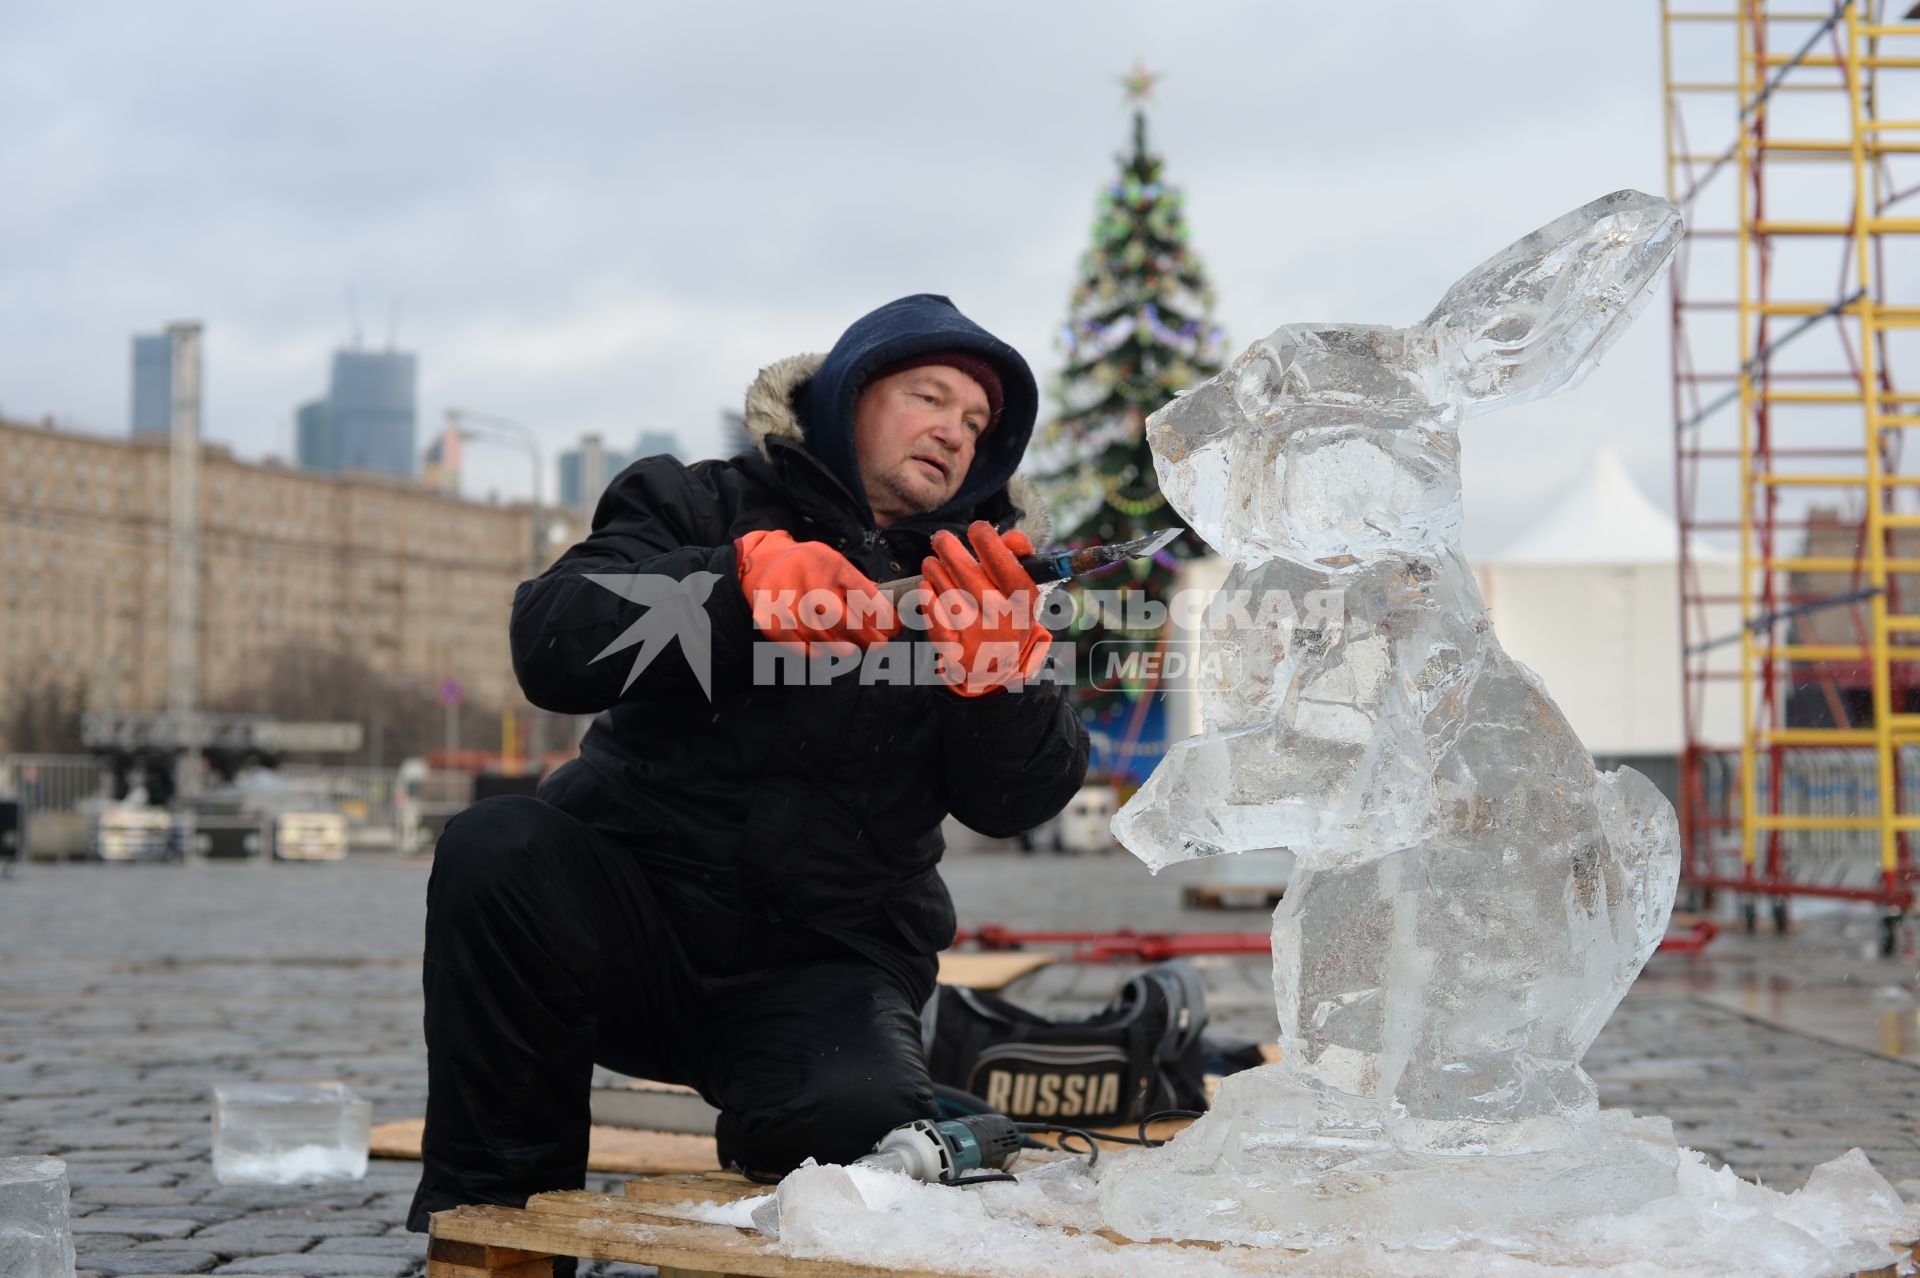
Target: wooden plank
(1893, 1270)
(587, 1204)
(709, 1249)
(478, 1255)
(711, 1187)
(991, 971)
(447, 1258)
(541, 1268)
(609, 1149)
(618, 1149)
(396, 1140)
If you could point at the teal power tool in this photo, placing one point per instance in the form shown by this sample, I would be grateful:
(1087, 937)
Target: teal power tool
(967, 1150)
(949, 1150)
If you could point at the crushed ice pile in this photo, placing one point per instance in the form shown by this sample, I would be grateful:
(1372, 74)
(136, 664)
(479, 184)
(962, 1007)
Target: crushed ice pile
(1471, 897)
(1845, 1220)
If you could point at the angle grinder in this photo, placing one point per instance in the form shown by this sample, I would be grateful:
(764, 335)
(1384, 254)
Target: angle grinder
(941, 1152)
(945, 1151)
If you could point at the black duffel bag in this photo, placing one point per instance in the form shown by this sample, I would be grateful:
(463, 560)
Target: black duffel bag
(1140, 1054)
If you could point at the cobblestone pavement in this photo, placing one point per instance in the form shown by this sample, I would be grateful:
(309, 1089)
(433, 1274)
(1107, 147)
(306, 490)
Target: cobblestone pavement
(128, 992)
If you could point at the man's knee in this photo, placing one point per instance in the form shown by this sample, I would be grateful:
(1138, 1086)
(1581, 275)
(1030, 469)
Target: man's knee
(839, 1113)
(849, 1118)
(492, 845)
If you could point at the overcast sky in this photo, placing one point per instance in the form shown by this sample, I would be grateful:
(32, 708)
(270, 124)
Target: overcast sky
(604, 217)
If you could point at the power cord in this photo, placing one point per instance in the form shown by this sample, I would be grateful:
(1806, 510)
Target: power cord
(1089, 1145)
(1088, 1138)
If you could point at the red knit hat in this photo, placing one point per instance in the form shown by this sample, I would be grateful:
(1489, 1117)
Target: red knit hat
(979, 369)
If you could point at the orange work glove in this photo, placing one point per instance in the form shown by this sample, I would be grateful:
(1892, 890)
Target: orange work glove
(983, 613)
(807, 593)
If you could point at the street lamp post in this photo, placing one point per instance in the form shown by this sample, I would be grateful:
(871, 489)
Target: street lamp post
(486, 425)
(468, 424)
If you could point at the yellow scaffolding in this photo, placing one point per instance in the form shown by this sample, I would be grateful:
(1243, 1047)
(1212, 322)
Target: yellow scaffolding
(1801, 402)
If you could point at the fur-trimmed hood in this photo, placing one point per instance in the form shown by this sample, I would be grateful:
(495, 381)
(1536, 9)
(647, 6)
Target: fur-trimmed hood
(770, 414)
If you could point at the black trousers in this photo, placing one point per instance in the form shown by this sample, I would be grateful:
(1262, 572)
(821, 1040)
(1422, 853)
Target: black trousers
(549, 948)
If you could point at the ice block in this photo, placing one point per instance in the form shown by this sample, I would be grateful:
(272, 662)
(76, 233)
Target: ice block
(35, 1241)
(289, 1133)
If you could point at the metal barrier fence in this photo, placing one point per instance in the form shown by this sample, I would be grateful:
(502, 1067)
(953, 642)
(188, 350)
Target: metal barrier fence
(363, 795)
(1828, 782)
(60, 783)
(53, 782)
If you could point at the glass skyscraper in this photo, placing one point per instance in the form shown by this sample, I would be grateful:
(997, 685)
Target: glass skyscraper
(152, 384)
(586, 471)
(313, 436)
(370, 412)
(652, 443)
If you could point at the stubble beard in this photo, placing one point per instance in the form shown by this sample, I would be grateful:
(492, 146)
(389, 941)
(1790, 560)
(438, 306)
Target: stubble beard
(915, 504)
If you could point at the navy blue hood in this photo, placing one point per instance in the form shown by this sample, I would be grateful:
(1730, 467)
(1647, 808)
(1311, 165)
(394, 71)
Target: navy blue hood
(913, 326)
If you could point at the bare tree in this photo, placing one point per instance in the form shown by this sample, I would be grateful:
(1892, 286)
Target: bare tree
(43, 717)
(400, 717)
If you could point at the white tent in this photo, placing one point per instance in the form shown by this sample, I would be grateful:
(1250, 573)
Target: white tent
(1588, 597)
(1602, 519)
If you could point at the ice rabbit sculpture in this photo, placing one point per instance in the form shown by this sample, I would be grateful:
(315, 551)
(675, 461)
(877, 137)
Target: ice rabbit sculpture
(1471, 897)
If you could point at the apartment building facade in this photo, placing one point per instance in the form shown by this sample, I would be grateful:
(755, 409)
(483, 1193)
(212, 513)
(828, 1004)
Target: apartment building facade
(415, 583)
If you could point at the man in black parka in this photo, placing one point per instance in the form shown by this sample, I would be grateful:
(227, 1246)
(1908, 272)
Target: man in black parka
(735, 886)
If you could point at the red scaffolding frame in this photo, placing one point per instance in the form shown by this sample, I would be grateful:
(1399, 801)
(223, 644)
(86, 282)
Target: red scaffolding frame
(1799, 398)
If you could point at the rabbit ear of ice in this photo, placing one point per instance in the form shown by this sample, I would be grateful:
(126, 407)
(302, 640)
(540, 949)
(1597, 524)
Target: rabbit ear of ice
(1536, 316)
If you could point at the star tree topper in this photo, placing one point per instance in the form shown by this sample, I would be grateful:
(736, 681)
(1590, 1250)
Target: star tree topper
(1139, 82)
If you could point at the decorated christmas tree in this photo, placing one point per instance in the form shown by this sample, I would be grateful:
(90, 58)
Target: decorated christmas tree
(1139, 329)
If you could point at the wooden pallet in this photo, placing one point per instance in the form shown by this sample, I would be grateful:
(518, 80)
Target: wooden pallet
(640, 1228)
(515, 1242)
